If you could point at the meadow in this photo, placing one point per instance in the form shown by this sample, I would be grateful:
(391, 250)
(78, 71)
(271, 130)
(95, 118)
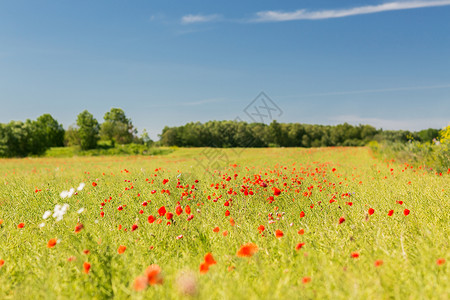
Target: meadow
(270, 223)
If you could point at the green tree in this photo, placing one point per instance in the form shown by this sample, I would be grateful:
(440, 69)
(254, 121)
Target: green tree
(117, 128)
(53, 131)
(88, 129)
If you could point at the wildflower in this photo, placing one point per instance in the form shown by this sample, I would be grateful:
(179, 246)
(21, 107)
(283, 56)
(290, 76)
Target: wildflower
(276, 191)
(21, 225)
(261, 228)
(134, 227)
(204, 268)
(121, 249)
(302, 214)
(81, 186)
(162, 211)
(225, 233)
(341, 220)
(216, 229)
(86, 267)
(406, 212)
(80, 210)
(301, 231)
(209, 259)
(355, 254)
(187, 209)
(279, 233)
(79, 227)
(151, 219)
(306, 280)
(94, 184)
(247, 250)
(153, 273)
(47, 214)
(60, 211)
(299, 246)
(390, 213)
(140, 283)
(71, 258)
(378, 263)
(371, 211)
(2, 262)
(179, 237)
(440, 261)
(51, 243)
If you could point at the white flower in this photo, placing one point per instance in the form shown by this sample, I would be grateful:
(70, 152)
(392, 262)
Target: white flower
(42, 225)
(64, 194)
(60, 211)
(81, 186)
(71, 191)
(47, 214)
(80, 210)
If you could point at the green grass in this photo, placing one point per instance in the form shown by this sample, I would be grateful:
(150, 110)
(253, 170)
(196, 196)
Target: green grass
(409, 246)
(129, 149)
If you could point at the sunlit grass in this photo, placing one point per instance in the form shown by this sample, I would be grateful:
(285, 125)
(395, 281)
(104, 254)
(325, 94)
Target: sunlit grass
(409, 246)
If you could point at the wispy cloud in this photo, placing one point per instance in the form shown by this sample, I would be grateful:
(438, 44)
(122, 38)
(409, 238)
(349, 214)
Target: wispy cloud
(416, 124)
(190, 19)
(303, 14)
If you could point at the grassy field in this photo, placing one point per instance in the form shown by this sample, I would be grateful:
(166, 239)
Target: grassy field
(318, 221)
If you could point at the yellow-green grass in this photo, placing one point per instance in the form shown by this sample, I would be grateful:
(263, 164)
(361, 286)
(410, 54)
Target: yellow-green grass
(409, 246)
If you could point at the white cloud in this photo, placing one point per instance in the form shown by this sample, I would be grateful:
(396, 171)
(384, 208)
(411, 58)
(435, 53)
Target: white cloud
(303, 14)
(190, 19)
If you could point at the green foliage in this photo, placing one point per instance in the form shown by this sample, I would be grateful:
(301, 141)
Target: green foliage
(117, 127)
(19, 139)
(223, 134)
(88, 129)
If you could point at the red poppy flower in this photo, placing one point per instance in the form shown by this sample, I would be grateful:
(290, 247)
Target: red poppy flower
(187, 209)
(232, 223)
(276, 191)
(20, 225)
(440, 261)
(371, 211)
(247, 250)
(355, 254)
(225, 233)
(306, 279)
(121, 249)
(216, 229)
(79, 227)
(86, 267)
(341, 220)
(390, 213)
(227, 213)
(2, 262)
(153, 273)
(51, 243)
(261, 228)
(378, 263)
(169, 216)
(279, 233)
(162, 211)
(302, 214)
(204, 268)
(178, 210)
(134, 227)
(209, 259)
(299, 246)
(406, 212)
(151, 219)
(301, 231)
(94, 184)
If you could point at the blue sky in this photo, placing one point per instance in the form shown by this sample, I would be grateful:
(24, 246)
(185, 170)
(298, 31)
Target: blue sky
(384, 63)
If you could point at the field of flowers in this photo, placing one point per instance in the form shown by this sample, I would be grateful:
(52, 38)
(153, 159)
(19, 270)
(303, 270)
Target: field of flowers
(325, 223)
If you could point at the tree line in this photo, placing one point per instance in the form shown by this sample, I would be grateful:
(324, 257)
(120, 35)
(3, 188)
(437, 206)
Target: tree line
(223, 134)
(34, 137)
